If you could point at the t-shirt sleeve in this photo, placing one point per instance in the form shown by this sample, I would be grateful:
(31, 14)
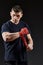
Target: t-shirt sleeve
(28, 28)
(4, 28)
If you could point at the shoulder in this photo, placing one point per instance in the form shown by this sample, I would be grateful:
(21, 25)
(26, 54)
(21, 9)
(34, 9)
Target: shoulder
(23, 22)
(5, 27)
(26, 24)
(5, 24)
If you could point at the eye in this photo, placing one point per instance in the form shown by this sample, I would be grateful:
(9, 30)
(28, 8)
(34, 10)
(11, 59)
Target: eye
(14, 15)
(18, 15)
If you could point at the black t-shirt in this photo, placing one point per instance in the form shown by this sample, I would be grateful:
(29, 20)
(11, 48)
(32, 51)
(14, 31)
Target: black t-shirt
(14, 50)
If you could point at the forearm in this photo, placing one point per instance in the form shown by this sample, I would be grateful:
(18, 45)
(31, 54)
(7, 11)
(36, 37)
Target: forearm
(13, 36)
(10, 36)
(30, 45)
(30, 42)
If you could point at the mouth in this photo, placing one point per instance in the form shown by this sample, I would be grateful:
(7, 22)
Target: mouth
(16, 21)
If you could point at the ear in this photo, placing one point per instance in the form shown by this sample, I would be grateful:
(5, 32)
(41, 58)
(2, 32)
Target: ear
(21, 15)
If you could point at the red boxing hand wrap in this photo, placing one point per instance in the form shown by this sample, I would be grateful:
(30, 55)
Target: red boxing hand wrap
(24, 31)
(24, 41)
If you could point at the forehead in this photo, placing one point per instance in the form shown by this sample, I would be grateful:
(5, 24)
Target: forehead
(15, 12)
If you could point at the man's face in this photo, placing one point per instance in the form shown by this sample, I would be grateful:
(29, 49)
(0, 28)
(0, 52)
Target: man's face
(15, 16)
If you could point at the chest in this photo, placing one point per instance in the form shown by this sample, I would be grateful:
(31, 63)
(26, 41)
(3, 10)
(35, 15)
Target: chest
(16, 28)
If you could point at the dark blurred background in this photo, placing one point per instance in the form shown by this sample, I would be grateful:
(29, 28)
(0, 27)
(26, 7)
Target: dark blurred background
(33, 15)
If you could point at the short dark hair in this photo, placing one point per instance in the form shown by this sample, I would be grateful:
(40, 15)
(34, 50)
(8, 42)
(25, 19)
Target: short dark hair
(17, 8)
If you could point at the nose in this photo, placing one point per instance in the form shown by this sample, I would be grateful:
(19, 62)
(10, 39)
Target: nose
(15, 17)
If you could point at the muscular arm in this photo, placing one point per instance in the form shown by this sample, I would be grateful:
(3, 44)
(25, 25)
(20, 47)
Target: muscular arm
(30, 41)
(7, 36)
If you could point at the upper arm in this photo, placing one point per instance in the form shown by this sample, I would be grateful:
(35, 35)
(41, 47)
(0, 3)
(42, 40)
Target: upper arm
(4, 35)
(4, 30)
(30, 38)
(29, 34)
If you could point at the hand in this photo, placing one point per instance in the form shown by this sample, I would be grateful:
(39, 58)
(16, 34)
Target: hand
(30, 47)
(24, 31)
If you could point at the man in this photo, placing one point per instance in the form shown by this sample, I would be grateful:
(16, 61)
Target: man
(16, 34)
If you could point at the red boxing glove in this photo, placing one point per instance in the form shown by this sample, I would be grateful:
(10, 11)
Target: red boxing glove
(24, 31)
